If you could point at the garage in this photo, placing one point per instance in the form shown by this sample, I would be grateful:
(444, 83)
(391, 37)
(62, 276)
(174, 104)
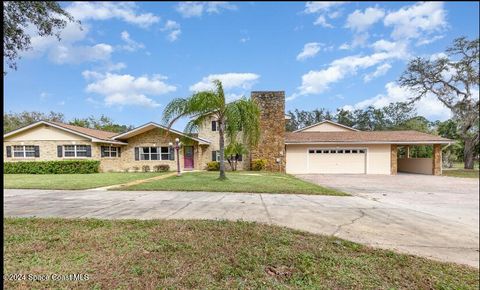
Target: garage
(337, 160)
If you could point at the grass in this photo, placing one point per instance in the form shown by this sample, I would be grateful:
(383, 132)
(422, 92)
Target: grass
(458, 171)
(71, 181)
(240, 181)
(175, 254)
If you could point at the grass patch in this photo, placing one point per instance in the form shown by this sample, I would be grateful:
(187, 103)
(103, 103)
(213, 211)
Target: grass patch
(71, 181)
(459, 171)
(133, 254)
(240, 181)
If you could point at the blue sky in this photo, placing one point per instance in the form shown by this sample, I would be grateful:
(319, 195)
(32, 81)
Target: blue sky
(131, 59)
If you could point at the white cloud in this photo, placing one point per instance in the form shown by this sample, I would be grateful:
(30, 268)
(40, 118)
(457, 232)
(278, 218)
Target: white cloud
(344, 46)
(196, 9)
(315, 82)
(126, 11)
(121, 90)
(428, 40)
(130, 44)
(173, 30)
(379, 71)
(324, 10)
(428, 106)
(309, 50)
(417, 20)
(229, 81)
(360, 21)
(244, 39)
(62, 54)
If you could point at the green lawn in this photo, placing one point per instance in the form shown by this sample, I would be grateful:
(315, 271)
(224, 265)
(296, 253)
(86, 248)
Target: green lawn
(458, 171)
(71, 181)
(240, 181)
(176, 254)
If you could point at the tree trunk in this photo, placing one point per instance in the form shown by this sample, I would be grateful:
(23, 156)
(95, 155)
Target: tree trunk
(469, 153)
(221, 133)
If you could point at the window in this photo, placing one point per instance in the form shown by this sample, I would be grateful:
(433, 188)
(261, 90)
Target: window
(318, 151)
(311, 151)
(109, 151)
(339, 151)
(354, 151)
(326, 151)
(155, 153)
(361, 151)
(333, 151)
(75, 151)
(347, 151)
(216, 155)
(24, 151)
(214, 125)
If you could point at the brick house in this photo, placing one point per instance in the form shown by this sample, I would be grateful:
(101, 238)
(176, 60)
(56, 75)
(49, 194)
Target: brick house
(326, 147)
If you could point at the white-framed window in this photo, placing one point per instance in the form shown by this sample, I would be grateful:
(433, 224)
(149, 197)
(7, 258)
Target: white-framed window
(337, 151)
(22, 151)
(155, 153)
(75, 150)
(109, 151)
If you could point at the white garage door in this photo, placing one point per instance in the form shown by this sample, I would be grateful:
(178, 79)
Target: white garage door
(338, 160)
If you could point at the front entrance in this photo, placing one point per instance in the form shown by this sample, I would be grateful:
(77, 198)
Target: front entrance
(188, 157)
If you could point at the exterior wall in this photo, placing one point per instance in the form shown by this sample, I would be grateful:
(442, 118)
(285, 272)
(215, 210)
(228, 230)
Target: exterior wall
(415, 165)
(377, 159)
(271, 145)
(326, 127)
(205, 132)
(152, 138)
(44, 133)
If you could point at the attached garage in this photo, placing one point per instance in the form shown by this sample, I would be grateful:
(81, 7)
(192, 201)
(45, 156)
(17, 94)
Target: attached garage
(331, 148)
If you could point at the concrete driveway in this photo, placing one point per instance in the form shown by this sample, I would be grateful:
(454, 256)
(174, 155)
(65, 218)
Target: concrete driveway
(385, 221)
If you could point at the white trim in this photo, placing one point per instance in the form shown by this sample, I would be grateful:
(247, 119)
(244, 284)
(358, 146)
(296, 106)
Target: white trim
(75, 150)
(24, 151)
(370, 142)
(326, 121)
(198, 139)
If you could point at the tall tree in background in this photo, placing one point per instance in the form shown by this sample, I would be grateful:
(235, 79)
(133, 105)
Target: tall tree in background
(12, 121)
(46, 16)
(242, 114)
(103, 123)
(454, 80)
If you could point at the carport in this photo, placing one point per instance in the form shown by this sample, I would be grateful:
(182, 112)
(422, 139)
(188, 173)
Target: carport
(403, 161)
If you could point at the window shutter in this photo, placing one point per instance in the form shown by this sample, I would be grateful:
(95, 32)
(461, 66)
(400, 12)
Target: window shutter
(137, 153)
(102, 150)
(172, 154)
(37, 151)
(9, 151)
(214, 155)
(119, 151)
(59, 150)
(214, 125)
(239, 157)
(89, 151)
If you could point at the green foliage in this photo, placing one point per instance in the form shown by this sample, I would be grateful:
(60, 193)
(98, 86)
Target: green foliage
(233, 152)
(259, 164)
(103, 123)
(46, 17)
(146, 168)
(213, 166)
(161, 168)
(52, 167)
(12, 121)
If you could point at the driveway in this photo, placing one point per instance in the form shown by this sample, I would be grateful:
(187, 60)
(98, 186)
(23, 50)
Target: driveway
(368, 217)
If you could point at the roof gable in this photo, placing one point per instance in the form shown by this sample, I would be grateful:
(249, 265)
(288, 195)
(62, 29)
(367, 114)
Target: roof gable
(327, 126)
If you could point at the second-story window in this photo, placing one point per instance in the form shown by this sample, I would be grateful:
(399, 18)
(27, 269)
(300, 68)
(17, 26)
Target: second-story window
(214, 126)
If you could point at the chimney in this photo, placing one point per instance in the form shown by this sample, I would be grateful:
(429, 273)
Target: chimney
(271, 145)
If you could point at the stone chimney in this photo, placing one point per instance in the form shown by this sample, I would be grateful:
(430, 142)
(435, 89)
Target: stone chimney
(271, 145)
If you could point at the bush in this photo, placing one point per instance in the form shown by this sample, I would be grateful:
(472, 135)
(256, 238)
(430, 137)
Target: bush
(52, 167)
(213, 166)
(259, 164)
(161, 167)
(146, 168)
(135, 168)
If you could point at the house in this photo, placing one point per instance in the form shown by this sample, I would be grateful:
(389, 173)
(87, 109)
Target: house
(325, 147)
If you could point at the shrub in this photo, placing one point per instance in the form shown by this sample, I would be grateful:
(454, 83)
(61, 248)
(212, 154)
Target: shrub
(259, 164)
(161, 167)
(135, 168)
(52, 167)
(146, 168)
(126, 170)
(213, 166)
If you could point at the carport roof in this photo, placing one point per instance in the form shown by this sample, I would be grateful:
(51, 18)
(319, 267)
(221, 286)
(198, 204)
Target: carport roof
(364, 137)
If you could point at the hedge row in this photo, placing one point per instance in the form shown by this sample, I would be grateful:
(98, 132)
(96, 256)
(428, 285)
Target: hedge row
(51, 167)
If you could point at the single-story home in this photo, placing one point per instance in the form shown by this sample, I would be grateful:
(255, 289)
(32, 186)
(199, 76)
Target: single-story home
(326, 147)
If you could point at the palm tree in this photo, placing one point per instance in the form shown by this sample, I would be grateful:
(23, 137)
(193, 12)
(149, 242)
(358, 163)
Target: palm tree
(233, 152)
(241, 115)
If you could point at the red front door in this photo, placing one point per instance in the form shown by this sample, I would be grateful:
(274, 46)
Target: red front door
(188, 157)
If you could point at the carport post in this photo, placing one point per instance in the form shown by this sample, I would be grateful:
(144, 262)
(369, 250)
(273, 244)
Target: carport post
(393, 159)
(437, 159)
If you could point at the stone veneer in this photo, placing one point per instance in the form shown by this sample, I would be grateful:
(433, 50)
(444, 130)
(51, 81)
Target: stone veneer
(271, 146)
(393, 159)
(437, 159)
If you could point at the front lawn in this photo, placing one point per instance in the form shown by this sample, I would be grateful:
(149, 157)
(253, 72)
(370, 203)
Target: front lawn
(71, 181)
(175, 254)
(240, 181)
(468, 173)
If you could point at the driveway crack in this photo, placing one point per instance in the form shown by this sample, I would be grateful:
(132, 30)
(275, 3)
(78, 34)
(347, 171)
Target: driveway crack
(362, 214)
(178, 210)
(266, 210)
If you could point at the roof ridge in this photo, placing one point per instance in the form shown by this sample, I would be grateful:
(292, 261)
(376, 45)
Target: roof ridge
(61, 123)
